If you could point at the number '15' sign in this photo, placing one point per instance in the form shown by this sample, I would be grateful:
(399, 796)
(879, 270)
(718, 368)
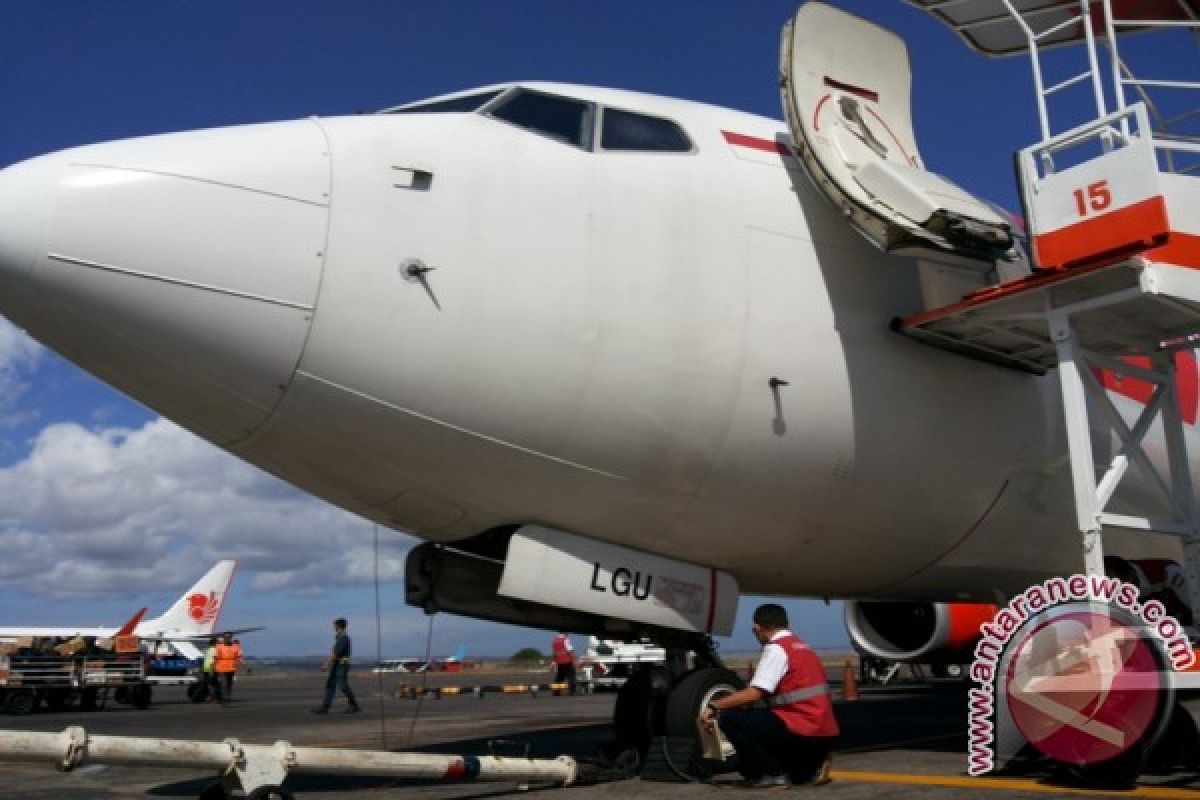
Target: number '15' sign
(1095, 197)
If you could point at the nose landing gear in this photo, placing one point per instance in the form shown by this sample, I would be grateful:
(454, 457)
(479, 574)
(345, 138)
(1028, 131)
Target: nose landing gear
(657, 709)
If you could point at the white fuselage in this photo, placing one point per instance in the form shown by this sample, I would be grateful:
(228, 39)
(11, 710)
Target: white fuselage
(592, 351)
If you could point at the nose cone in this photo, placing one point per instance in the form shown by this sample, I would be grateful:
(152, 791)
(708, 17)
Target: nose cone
(27, 195)
(182, 269)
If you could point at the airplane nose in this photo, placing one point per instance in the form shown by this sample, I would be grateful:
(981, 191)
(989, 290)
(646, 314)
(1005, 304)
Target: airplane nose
(182, 269)
(27, 192)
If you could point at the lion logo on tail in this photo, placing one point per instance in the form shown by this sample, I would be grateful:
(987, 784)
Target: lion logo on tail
(203, 608)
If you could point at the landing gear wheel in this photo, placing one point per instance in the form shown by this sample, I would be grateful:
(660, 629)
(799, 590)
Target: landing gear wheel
(687, 699)
(122, 695)
(638, 712)
(269, 793)
(88, 700)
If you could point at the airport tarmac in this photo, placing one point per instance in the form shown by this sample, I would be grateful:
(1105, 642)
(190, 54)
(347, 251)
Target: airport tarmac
(907, 742)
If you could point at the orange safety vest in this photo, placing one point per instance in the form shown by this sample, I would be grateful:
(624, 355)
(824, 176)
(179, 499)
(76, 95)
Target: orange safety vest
(802, 698)
(226, 660)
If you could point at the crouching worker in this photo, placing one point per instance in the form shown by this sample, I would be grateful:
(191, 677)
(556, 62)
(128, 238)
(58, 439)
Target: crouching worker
(788, 742)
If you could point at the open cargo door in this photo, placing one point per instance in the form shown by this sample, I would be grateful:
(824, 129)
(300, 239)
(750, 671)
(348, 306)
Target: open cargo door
(846, 87)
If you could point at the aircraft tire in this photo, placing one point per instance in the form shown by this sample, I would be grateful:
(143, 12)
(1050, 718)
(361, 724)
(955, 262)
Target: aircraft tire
(122, 695)
(690, 695)
(637, 713)
(269, 793)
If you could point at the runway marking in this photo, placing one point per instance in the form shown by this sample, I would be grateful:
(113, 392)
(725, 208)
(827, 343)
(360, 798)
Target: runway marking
(899, 743)
(1009, 784)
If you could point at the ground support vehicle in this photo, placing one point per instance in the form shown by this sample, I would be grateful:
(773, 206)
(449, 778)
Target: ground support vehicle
(82, 680)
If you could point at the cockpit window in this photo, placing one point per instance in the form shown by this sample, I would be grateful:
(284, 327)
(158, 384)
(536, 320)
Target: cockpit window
(464, 104)
(625, 130)
(561, 118)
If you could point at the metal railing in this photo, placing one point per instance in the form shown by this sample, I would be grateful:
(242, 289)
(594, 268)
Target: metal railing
(1173, 133)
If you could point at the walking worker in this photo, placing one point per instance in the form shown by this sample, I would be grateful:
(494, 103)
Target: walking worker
(564, 661)
(208, 670)
(226, 664)
(788, 742)
(338, 665)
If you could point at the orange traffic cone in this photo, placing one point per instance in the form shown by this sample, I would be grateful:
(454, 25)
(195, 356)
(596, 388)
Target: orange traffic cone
(849, 683)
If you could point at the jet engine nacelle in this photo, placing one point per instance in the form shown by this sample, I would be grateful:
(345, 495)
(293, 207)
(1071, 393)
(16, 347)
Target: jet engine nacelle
(922, 632)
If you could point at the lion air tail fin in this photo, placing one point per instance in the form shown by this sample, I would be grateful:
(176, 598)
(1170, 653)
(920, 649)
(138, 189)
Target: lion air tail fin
(196, 612)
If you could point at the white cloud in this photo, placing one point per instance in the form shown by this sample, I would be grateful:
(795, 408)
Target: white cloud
(19, 354)
(113, 511)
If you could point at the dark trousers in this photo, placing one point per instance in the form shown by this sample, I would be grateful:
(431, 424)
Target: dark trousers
(339, 678)
(765, 746)
(214, 685)
(226, 680)
(566, 674)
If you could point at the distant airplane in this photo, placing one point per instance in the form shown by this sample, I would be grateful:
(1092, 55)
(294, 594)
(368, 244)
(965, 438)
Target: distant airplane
(191, 620)
(412, 664)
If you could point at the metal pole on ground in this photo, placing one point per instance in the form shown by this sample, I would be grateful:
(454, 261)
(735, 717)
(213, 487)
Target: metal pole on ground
(263, 768)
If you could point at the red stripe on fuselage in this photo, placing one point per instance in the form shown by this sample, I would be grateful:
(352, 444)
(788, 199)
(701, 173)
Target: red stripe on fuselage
(756, 143)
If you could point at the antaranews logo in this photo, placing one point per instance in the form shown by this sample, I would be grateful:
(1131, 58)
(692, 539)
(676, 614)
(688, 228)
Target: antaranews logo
(1078, 666)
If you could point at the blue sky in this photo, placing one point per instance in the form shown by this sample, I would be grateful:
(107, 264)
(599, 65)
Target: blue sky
(105, 508)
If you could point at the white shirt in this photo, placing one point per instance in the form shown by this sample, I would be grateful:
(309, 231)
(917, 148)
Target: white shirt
(772, 665)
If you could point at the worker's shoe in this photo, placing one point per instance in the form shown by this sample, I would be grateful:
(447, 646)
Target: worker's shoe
(822, 776)
(768, 782)
(319, 710)
(354, 709)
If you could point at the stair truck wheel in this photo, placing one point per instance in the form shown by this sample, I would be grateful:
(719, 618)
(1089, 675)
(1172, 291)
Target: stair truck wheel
(1122, 771)
(20, 702)
(214, 791)
(56, 699)
(141, 695)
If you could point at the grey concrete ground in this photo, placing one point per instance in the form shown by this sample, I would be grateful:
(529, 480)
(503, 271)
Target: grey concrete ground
(907, 743)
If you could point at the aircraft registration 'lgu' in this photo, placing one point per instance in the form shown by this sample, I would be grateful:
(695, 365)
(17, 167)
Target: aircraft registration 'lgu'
(616, 357)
